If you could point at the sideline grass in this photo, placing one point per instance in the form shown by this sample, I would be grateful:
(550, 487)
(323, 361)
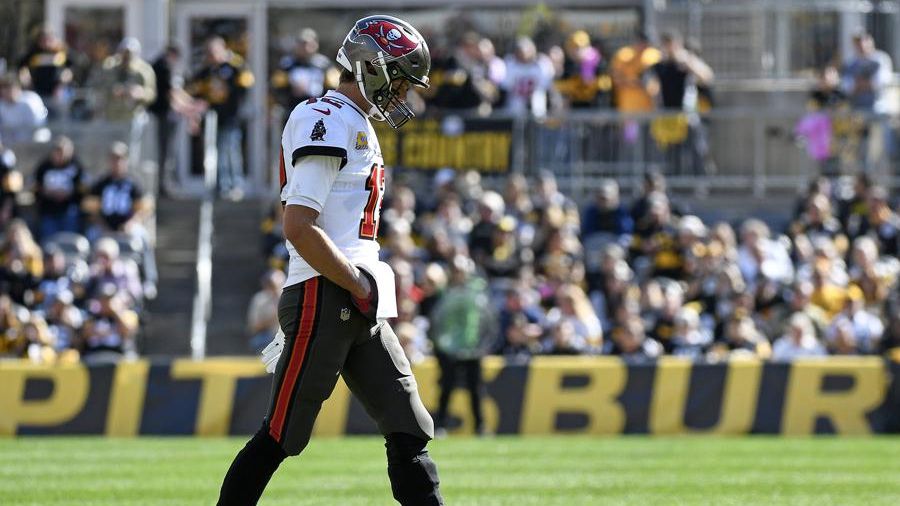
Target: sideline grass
(478, 472)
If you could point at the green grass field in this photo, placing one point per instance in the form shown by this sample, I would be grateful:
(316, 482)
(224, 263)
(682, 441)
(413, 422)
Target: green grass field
(482, 472)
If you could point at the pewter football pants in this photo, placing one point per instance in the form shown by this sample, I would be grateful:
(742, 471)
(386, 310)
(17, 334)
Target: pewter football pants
(326, 336)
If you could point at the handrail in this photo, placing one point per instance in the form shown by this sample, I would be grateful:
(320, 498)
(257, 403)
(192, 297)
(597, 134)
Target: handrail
(202, 304)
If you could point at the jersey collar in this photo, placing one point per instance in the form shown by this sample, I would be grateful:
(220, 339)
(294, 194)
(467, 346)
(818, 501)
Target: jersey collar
(343, 98)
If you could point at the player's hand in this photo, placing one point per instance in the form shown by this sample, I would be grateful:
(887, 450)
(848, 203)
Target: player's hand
(272, 352)
(366, 300)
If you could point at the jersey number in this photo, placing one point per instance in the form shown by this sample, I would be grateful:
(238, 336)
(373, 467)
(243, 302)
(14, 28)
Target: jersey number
(329, 101)
(368, 225)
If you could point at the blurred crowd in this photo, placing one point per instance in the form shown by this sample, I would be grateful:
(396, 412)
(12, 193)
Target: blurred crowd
(552, 72)
(76, 266)
(568, 71)
(525, 271)
(117, 85)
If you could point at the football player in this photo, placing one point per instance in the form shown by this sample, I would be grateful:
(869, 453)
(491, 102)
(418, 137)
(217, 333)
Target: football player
(337, 294)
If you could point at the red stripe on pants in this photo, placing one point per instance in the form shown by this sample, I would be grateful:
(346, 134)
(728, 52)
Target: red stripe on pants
(298, 353)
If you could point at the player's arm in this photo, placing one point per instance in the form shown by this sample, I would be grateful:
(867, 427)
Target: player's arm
(305, 197)
(320, 252)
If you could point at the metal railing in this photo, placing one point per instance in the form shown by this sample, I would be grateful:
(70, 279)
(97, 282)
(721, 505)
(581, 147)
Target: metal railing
(728, 149)
(92, 140)
(202, 303)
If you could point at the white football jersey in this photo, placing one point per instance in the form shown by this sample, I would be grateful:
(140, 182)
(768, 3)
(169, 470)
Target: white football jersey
(331, 162)
(527, 84)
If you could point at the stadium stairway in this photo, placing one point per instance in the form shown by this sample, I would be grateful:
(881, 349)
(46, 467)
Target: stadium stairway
(237, 266)
(168, 317)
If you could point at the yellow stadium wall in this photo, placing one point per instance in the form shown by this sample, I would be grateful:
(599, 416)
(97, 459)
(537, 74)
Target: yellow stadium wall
(548, 395)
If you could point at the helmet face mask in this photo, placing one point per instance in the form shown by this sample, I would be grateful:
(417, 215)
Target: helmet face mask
(386, 55)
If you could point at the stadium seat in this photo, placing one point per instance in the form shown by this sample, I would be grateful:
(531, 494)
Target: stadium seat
(71, 244)
(129, 247)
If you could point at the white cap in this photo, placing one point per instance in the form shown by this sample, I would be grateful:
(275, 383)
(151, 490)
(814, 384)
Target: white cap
(131, 45)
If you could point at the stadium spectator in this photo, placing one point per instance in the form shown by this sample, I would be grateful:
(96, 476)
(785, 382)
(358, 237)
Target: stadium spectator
(116, 201)
(117, 205)
(873, 275)
(21, 112)
(449, 216)
(519, 320)
(490, 210)
(800, 302)
(460, 329)
(10, 186)
(581, 82)
(168, 82)
(759, 256)
(563, 340)
(866, 75)
(881, 222)
(653, 183)
(222, 85)
(305, 73)
(529, 80)
(46, 70)
(741, 338)
(573, 308)
(799, 341)
(64, 322)
(127, 84)
(57, 278)
(505, 256)
(677, 71)
(631, 343)
(110, 269)
(611, 288)
(59, 187)
(689, 339)
(109, 327)
(461, 79)
(662, 327)
(606, 219)
(11, 317)
(414, 347)
(827, 93)
(21, 264)
(655, 244)
(517, 198)
(38, 343)
(867, 329)
(677, 75)
(548, 196)
(262, 315)
(629, 65)
(853, 204)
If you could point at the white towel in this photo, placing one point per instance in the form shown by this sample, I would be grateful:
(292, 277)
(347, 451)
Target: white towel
(387, 293)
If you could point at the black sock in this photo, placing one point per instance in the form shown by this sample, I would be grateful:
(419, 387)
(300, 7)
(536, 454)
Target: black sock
(414, 479)
(251, 470)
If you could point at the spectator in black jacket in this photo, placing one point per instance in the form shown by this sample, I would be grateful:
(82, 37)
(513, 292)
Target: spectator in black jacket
(59, 188)
(223, 85)
(167, 79)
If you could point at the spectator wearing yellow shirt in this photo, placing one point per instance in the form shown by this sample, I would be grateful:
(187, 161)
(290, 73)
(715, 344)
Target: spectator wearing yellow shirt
(10, 327)
(827, 295)
(629, 66)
